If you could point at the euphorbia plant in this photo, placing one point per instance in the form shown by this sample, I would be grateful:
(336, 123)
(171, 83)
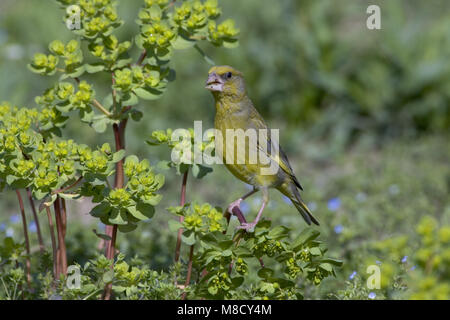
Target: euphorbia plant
(55, 169)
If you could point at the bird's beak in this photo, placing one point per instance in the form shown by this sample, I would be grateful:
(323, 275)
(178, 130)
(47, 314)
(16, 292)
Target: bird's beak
(214, 82)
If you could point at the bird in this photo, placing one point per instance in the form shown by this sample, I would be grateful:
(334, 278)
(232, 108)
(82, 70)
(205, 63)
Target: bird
(235, 113)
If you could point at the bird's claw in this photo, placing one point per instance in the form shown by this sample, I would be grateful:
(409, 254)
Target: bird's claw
(247, 226)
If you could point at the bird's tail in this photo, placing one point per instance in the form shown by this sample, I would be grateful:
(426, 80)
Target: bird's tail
(304, 211)
(294, 195)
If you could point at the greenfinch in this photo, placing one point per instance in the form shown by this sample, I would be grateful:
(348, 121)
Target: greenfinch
(235, 112)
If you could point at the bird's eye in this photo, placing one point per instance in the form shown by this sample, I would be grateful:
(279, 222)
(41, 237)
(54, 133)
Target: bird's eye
(228, 75)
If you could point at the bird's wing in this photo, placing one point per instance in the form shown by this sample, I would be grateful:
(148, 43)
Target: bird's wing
(257, 122)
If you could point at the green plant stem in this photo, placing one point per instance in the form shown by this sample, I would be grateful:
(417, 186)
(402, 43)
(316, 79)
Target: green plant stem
(97, 104)
(36, 220)
(100, 107)
(181, 219)
(27, 240)
(53, 239)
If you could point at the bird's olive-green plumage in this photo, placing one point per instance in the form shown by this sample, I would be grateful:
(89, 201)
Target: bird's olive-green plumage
(235, 110)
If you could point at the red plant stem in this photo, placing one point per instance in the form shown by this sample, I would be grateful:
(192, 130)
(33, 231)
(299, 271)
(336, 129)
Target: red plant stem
(36, 220)
(61, 243)
(111, 231)
(27, 240)
(68, 187)
(53, 239)
(142, 57)
(181, 219)
(189, 272)
(64, 216)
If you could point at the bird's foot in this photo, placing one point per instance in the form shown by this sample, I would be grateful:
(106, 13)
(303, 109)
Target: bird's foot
(234, 204)
(247, 226)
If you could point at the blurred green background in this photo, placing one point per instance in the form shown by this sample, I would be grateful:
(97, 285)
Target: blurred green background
(364, 117)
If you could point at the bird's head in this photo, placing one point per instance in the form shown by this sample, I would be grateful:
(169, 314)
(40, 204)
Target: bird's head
(225, 81)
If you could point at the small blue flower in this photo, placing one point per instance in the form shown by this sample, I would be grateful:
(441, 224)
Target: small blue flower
(338, 229)
(14, 218)
(2, 227)
(372, 295)
(334, 204)
(32, 227)
(354, 273)
(405, 258)
(413, 268)
(378, 262)
(10, 232)
(245, 208)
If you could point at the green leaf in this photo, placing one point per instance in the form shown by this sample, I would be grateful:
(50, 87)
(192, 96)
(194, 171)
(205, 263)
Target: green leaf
(101, 235)
(132, 159)
(164, 165)
(93, 68)
(230, 43)
(38, 194)
(315, 251)
(129, 99)
(182, 43)
(237, 282)
(199, 171)
(100, 125)
(68, 196)
(326, 266)
(159, 180)
(75, 73)
(155, 12)
(142, 211)
(227, 253)
(306, 235)
(136, 115)
(117, 156)
(10, 179)
(182, 167)
(152, 200)
(147, 93)
(174, 225)
(100, 210)
(265, 273)
(278, 232)
(127, 227)
(118, 216)
(188, 237)
(211, 255)
(121, 63)
(212, 290)
(108, 276)
(87, 114)
(335, 262)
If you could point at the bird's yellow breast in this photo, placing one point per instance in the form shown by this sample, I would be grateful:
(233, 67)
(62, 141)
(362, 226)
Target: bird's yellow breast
(236, 148)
